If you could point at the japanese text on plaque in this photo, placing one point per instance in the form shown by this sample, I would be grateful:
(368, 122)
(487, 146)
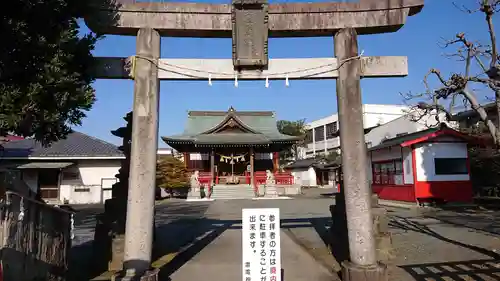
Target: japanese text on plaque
(261, 245)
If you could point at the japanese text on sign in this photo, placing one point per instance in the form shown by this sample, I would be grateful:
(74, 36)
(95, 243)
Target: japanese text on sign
(261, 245)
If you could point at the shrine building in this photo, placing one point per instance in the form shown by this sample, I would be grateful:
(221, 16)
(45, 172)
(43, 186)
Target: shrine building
(232, 147)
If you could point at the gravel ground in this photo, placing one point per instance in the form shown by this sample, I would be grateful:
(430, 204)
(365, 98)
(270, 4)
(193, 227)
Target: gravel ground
(427, 247)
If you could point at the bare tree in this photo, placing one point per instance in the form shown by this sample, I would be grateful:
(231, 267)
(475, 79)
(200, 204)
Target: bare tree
(481, 70)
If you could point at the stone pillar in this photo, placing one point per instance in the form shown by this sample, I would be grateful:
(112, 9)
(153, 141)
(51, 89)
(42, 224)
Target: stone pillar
(324, 139)
(186, 160)
(276, 161)
(363, 261)
(212, 172)
(109, 237)
(252, 180)
(313, 131)
(141, 196)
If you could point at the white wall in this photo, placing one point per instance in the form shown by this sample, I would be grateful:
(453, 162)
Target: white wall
(392, 129)
(373, 114)
(87, 188)
(408, 165)
(304, 177)
(424, 158)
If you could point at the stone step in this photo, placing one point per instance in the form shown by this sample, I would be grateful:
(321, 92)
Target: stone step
(232, 192)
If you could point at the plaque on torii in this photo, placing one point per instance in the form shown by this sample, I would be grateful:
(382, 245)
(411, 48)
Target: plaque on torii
(250, 34)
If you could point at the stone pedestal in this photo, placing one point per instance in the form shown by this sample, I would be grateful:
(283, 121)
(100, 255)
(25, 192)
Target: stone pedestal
(339, 241)
(150, 275)
(353, 272)
(117, 252)
(383, 238)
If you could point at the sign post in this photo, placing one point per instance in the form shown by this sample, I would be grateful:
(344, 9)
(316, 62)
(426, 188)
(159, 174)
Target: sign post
(261, 244)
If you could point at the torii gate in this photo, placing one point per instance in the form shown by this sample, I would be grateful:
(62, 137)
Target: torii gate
(250, 23)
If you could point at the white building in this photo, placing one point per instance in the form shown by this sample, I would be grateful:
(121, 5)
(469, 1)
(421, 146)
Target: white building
(403, 125)
(77, 170)
(430, 164)
(408, 160)
(322, 136)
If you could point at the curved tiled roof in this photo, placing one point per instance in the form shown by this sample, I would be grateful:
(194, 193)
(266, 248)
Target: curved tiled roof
(76, 144)
(262, 124)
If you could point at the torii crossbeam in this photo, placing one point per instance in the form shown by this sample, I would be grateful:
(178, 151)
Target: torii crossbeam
(250, 23)
(285, 19)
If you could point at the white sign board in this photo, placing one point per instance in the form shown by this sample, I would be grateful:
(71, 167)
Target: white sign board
(261, 244)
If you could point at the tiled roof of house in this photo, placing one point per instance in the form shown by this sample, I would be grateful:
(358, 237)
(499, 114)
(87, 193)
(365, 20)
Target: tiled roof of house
(314, 162)
(75, 145)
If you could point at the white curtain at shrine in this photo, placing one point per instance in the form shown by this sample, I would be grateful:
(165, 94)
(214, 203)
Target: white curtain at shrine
(263, 156)
(198, 156)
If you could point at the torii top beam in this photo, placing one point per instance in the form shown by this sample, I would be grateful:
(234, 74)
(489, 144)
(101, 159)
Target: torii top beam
(285, 19)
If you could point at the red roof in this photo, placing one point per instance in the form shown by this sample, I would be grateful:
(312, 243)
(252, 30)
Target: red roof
(423, 136)
(442, 132)
(14, 138)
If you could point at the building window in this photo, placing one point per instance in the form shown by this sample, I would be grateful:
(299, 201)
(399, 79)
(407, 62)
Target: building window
(407, 166)
(331, 129)
(308, 139)
(450, 166)
(388, 172)
(70, 175)
(319, 133)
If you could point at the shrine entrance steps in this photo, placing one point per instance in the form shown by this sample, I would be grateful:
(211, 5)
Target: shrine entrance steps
(232, 191)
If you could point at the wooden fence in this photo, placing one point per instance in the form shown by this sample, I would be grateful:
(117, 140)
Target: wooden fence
(36, 239)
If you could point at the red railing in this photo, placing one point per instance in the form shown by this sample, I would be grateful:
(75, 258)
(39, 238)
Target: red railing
(205, 178)
(260, 178)
(280, 178)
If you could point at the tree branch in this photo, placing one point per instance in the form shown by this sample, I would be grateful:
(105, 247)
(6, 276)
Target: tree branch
(488, 10)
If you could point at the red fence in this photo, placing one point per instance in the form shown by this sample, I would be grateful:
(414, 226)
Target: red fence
(260, 177)
(205, 178)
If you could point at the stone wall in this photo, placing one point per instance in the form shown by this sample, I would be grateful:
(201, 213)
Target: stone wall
(37, 239)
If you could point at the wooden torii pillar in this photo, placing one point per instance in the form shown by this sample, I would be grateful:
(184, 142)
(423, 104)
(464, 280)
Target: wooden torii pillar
(148, 21)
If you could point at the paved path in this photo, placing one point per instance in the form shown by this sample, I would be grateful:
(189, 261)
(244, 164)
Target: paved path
(217, 256)
(221, 260)
(203, 240)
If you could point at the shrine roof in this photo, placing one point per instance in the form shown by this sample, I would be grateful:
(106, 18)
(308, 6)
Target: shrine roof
(253, 127)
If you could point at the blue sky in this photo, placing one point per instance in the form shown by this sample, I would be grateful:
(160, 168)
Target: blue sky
(309, 99)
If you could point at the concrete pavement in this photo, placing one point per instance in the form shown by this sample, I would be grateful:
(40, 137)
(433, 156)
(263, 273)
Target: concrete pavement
(204, 238)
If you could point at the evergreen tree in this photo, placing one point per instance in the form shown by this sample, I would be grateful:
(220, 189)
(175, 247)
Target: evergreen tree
(45, 82)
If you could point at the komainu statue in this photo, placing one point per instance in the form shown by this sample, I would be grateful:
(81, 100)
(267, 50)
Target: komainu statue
(270, 178)
(194, 182)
